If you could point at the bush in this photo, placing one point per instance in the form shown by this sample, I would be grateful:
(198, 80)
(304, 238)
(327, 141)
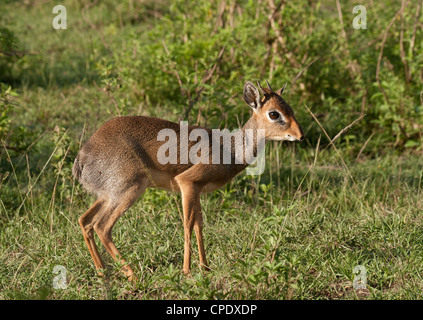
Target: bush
(9, 51)
(168, 66)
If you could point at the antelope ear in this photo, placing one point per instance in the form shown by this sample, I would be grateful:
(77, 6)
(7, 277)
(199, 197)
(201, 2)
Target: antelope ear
(252, 96)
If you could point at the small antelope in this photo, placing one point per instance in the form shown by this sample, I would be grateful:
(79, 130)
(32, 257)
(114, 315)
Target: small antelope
(119, 162)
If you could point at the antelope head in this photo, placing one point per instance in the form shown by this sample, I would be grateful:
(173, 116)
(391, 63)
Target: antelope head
(272, 113)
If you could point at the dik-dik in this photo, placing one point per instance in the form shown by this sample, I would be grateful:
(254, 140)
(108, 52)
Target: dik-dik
(120, 161)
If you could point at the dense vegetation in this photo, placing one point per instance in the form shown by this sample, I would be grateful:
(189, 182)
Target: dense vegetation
(295, 232)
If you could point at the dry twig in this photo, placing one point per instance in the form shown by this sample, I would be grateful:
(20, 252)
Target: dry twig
(336, 149)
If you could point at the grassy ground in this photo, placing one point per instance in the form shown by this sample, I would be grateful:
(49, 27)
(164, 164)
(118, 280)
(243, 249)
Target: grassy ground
(280, 240)
(295, 232)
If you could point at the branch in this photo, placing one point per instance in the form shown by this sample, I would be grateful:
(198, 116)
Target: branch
(199, 89)
(351, 66)
(194, 97)
(381, 55)
(13, 53)
(402, 52)
(174, 71)
(273, 25)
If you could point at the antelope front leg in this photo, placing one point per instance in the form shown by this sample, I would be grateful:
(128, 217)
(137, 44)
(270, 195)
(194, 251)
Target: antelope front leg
(190, 196)
(188, 225)
(198, 228)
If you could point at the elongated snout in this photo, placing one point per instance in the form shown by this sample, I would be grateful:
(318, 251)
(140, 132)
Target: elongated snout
(295, 133)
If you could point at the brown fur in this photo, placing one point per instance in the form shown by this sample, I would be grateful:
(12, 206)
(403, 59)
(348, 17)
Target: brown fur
(119, 162)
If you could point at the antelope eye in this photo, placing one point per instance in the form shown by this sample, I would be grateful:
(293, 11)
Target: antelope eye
(274, 115)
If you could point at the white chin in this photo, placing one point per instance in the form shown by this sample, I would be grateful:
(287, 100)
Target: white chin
(285, 138)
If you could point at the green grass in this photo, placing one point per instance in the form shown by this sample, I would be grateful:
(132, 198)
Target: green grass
(295, 232)
(263, 240)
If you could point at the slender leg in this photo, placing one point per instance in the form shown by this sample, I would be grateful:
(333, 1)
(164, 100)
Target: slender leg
(86, 221)
(190, 195)
(103, 227)
(198, 229)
